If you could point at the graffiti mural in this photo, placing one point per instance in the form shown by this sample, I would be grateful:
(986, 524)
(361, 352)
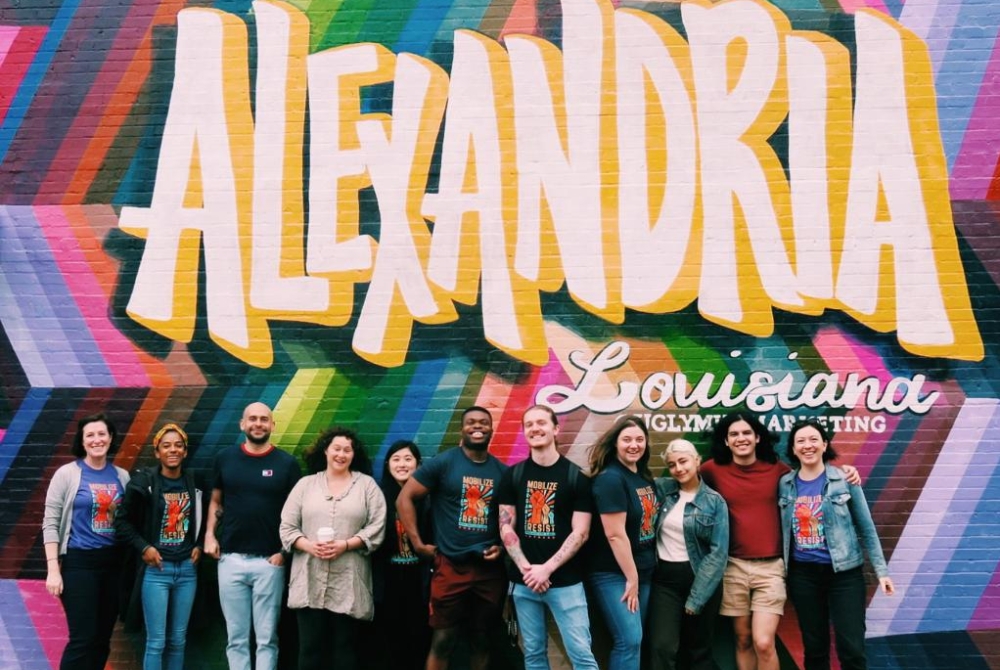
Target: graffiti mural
(377, 213)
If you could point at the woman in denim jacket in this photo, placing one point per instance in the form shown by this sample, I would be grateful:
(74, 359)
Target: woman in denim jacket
(692, 546)
(825, 522)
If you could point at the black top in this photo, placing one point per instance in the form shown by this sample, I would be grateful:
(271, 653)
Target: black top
(545, 498)
(254, 489)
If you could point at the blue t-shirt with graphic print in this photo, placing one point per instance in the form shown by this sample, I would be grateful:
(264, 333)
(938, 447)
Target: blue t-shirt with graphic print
(808, 531)
(463, 503)
(94, 507)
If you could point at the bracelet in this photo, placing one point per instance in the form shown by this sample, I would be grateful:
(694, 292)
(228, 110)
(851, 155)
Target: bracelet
(49, 560)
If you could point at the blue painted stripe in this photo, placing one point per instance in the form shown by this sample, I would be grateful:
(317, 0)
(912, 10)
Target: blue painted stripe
(971, 517)
(447, 396)
(413, 406)
(17, 432)
(961, 72)
(423, 26)
(35, 74)
(24, 273)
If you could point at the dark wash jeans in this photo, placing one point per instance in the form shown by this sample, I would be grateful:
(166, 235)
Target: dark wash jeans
(91, 578)
(821, 597)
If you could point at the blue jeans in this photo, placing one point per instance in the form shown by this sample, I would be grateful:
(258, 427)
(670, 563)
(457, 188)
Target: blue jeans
(250, 589)
(625, 627)
(569, 608)
(167, 598)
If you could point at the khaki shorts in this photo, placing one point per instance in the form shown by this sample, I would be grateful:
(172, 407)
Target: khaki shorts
(753, 586)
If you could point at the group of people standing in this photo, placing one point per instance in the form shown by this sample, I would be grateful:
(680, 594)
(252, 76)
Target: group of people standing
(660, 558)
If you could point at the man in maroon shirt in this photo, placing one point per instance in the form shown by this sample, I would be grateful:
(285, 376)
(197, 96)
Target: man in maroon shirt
(745, 470)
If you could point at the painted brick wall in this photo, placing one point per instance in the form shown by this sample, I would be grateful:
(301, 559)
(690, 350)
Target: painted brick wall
(375, 213)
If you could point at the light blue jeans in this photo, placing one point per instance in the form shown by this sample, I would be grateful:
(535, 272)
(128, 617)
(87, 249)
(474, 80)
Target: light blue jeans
(250, 589)
(167, 598)
(568, 605)
(625, 627)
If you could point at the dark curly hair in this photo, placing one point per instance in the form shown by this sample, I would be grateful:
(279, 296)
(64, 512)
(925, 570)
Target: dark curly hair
(721, 453)
(77, 449)
(829, 455)
(315, 456)
(605, 450)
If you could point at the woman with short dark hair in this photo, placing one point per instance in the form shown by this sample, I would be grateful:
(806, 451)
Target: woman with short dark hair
(81, 551)
(825, 524)
(161, 519)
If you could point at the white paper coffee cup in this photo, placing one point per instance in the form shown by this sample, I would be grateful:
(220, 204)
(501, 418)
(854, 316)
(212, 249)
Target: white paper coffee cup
(325, 534)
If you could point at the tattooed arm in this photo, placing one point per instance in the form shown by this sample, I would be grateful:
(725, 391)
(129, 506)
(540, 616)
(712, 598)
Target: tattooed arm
(508, 517)
(537, 575)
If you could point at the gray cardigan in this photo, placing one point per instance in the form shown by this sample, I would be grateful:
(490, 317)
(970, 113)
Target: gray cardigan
(57, 519)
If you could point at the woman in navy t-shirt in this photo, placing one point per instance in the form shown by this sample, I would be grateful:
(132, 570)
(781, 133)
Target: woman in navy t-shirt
(622, 544)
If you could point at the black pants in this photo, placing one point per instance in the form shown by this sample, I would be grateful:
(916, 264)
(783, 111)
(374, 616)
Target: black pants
(91, 579)
(669, 625)
(326, 640)
(401, 617)
(821, 597)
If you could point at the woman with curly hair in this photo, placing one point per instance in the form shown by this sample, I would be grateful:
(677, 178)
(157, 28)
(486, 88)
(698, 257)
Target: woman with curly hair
(622, 544)
(332, 521)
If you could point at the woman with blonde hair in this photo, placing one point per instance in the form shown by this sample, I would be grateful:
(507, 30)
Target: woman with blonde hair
(692, 547)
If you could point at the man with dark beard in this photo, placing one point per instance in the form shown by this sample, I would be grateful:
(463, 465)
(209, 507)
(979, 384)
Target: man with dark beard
(251, 482)
(469, 581)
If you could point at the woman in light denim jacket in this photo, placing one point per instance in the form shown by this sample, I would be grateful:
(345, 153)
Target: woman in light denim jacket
(825, 523)
(686, 585)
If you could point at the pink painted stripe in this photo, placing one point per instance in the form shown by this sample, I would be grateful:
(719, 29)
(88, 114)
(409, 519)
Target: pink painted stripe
(522, 20)
(843, 356)
(119, 353)
(851, 6)
(987, 614)
(973, 170)
(7, 35)
(47, 616)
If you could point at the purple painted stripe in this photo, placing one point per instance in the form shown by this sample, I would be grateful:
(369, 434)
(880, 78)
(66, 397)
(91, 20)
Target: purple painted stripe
(74, 358)
(987, 615)
(973, 170)
(20, 630)
(934, 530)
(918, 16)
(961, 71)
(954, 602)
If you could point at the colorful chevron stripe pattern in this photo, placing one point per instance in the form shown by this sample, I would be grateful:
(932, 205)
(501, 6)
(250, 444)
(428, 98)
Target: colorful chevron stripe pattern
(85, 87)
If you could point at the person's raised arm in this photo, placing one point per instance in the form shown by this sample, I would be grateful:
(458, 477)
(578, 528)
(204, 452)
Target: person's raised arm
(406, 512)
(214, 514)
